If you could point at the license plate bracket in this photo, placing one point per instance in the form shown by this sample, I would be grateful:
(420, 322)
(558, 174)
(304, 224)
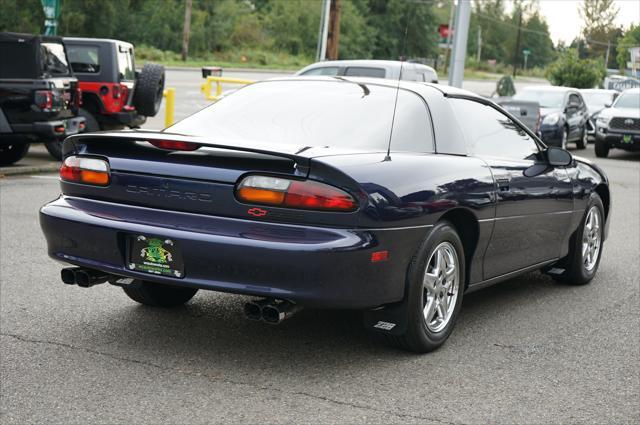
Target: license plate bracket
(155, 255)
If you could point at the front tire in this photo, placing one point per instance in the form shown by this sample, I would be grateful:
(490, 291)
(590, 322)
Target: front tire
(158, 295)
(581, 143)
(601, 148)
(583, 260)
(435, 281)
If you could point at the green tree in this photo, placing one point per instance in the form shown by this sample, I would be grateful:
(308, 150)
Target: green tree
(537, 39)
(599, 29)
(630, 39)
(571, 71)
(490, 17)
(21, 16)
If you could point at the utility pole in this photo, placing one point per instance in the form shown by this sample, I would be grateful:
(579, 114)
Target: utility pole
(323, 33)
(449, 31)
(186, 29)
(459, 53)
(479, 52)
(606, 58)
(515, 53)
(333, 41)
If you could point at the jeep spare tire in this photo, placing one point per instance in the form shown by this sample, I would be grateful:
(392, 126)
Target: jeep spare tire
(147, 95)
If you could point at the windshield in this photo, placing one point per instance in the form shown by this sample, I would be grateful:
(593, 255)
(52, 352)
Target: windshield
(54, 60)
(628, 100)
(546, 98)
(597, 100)
(343, 114)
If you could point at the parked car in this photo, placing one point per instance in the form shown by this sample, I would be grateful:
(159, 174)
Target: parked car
(39, 96)
(596, 100)
(619, 125)
(114, 95)
(563, 114)
(340, 193)
(372, 68)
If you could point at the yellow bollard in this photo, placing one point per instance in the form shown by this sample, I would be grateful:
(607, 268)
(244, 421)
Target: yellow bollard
(207, 89)
(170, 95)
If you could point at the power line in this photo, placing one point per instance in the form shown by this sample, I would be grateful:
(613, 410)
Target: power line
(508, 24)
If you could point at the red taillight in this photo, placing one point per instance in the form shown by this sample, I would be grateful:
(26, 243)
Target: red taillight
(174, 145)
(116, 90)
(79, 169)
(44, 100)
(78, 98)
(307, 194)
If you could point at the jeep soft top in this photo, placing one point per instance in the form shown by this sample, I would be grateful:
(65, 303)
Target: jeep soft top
(39, 96)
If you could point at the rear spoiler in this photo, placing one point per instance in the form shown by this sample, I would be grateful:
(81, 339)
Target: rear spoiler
(292, 152)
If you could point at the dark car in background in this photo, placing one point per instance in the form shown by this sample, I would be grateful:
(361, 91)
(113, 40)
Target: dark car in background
(619, 126)
(39, 96)
(563, 114)
(596, 100)
(414, 195)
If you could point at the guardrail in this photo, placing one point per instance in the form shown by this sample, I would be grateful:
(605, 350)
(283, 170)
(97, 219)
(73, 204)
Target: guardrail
(169, 106)
(206, 87)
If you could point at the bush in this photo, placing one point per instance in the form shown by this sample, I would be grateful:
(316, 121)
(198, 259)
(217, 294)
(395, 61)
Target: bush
(571, 71)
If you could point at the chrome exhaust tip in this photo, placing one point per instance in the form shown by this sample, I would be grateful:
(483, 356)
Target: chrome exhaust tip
(68, 275)
(276, 313)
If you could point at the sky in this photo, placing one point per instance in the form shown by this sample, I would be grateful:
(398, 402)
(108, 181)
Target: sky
(565, 22)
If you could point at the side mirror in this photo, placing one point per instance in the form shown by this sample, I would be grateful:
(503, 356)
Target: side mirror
(558, 157)
(607, 105)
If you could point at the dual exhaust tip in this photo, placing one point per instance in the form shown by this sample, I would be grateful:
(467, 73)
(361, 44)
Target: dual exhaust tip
(271, 311)
(82, 277)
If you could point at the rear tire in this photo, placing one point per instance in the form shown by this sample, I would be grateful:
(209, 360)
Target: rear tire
(579, 268)
(147, 95)
(158, 295)
(426, 329)
(10, 153)
(601, 148)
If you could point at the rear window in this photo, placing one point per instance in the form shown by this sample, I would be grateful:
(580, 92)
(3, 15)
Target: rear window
(84, 59)
(54, 60)
(361, 71)
(125, 64)
(314, 113)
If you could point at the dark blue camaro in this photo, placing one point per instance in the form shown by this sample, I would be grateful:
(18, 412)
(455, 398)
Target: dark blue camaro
(329, 192)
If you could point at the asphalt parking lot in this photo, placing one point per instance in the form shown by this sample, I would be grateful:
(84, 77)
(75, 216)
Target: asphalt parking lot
(526, 351)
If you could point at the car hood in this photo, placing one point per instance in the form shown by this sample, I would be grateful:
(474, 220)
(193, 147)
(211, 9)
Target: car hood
(620, 112)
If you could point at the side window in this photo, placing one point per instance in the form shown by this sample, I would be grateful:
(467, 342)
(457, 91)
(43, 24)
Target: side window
(412, 125)
(84, 58)
(362, 71)
(327, 70)
(411, 75)
(574, 99)
(488, 132)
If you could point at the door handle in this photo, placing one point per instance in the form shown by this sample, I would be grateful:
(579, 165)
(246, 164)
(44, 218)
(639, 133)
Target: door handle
(503, 183)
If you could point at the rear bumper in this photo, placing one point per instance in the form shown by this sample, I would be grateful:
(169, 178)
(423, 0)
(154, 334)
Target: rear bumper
(314, 266)
(50, 129)
(129, 119)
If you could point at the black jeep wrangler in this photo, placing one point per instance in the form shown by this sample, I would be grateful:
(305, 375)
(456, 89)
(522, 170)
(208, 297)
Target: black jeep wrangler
(114, 94)
(39, 96)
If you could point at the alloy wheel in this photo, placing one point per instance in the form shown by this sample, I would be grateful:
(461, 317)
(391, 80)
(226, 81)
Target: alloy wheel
(591, 238)
(441, 284)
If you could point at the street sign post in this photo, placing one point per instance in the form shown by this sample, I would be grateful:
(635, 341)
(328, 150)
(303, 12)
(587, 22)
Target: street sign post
(51, 14)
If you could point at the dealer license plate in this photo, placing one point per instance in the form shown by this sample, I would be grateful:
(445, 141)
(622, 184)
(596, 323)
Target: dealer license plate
(155, 255)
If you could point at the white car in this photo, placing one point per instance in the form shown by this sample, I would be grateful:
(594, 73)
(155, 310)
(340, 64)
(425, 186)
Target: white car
(373, 69)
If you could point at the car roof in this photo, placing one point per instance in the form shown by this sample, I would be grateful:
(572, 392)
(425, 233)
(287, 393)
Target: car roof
(96, 40)
(631, 90)
(550, 88)
(369, 63)
(403, 84)
(598, 91)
